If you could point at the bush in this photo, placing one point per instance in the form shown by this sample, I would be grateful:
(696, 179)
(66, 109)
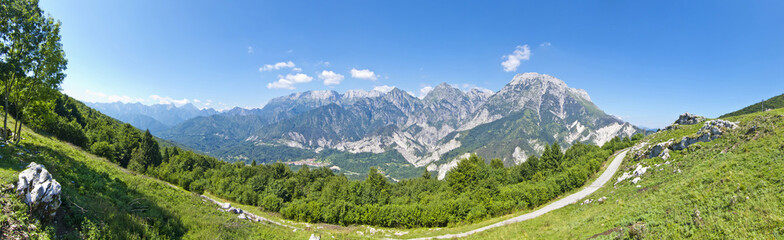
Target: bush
(103, 149)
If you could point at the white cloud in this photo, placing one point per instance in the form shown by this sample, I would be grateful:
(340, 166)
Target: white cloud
(276, 66)
(424, 90)
(169, 100)
(95, 94)
(91, 96)
(330, 77)
(545, 44)
(296, 69)
(289, 80)
(513, 60)
(250, 49)
(363, 74)
(383, 88)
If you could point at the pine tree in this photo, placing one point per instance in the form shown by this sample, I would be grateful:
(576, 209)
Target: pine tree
(146, 154)
(426, 174)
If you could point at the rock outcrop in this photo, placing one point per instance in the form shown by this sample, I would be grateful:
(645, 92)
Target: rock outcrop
(689, 119)
(40, 191)
(658, 149)
(709, 132)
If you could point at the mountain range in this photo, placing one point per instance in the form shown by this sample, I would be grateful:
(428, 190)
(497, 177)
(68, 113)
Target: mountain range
(399, 132)
(156, 118)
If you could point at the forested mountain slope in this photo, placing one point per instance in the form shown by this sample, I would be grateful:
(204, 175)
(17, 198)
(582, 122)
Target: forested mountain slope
(770, 103)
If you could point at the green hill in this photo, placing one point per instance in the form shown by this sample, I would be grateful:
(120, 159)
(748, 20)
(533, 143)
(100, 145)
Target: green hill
(771, 103)
(105, 201)
(729, 188)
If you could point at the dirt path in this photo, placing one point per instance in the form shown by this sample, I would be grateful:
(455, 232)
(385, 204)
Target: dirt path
(598, 183)
(246, 214)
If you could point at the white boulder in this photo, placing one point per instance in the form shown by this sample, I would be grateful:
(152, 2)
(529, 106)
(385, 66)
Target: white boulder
(640, 170)
(40, 191)
(636, 180)
(623, 177)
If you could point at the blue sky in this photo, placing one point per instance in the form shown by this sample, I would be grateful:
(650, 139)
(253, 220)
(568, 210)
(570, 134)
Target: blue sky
(645, 62)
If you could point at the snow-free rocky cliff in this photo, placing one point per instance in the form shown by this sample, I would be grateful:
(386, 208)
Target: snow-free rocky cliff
(514, 123)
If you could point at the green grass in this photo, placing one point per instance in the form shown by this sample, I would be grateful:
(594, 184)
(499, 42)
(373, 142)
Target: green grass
(121, 204)
(739, 194)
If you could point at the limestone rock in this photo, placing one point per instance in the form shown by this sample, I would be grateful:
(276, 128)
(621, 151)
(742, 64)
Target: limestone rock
(623, 177)
(665, 154)
(235, 210)
(636, 180)
(688, 119)
(708, 132)
(658, 149)
(40, 191)
(640, 170)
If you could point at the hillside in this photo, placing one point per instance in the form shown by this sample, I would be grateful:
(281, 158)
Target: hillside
(105, 201)
(433, 132)
(770, 103)
(729, 188)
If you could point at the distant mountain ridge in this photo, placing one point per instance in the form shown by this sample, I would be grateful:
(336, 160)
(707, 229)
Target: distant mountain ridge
(517, 121)
(156, 117)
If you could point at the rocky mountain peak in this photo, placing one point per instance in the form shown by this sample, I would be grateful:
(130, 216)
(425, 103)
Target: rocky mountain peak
(442, 85)
(479, 94)
(350, 94)
(190, 106)
(444, 92)
(396, 93)
(530, 78)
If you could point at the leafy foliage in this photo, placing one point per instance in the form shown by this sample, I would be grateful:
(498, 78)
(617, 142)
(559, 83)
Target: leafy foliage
(473, 191)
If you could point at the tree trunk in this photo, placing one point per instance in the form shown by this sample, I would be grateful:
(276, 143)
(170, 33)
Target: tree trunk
(9, 83)
(18, 135)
